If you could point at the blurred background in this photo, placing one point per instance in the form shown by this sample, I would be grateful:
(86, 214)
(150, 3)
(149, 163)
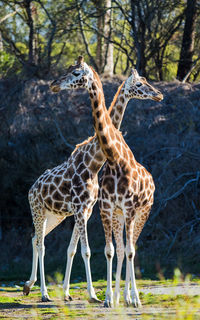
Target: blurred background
(39, 130)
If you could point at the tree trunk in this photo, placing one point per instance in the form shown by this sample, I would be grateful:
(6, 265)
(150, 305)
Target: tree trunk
(141, 61)
(185, 61)
(100, 24)
(138, 29)
(104, 53)
(27, 5)
(31, 67)
(1, 42)
(108, 46)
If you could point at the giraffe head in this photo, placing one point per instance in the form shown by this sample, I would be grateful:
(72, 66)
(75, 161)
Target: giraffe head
(138, 87)
(77, 76)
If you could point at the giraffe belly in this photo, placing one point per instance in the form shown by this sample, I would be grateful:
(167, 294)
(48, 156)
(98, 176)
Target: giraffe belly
(52, 221)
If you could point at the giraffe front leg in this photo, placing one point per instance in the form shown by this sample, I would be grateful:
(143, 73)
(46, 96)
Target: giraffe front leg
(130, 254)
(71, 251)
(106, 218)
(137, 229)
(134, 292)
(85, 252)
(118, 227)
(127, 295)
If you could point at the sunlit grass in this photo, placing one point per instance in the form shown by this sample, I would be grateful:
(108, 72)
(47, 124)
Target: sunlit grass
(155, 306)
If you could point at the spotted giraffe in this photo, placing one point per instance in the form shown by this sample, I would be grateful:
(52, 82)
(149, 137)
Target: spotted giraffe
(119, 157)
(125, 198)
(70, 188)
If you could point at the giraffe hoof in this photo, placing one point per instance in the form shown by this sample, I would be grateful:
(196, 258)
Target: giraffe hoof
(46, 298)
(95, 300)
(68, 298)
(108, 304)
(127, 302)
(26, 290)
(136, 304)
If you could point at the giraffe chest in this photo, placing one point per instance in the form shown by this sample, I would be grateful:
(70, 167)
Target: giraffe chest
(127, 189)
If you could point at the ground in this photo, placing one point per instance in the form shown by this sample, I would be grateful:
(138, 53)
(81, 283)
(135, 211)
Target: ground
(160, 300)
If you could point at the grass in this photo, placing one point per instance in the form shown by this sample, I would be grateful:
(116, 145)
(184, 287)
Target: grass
(155, 306)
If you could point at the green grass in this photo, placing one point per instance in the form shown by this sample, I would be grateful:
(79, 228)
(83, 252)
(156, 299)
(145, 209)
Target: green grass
(155, 306)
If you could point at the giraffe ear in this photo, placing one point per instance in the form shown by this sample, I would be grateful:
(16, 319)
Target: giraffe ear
(134, 73)
(80, 60)
(87, 69)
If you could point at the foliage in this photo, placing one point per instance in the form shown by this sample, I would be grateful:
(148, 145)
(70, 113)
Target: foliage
(7, 62)
(41, 37)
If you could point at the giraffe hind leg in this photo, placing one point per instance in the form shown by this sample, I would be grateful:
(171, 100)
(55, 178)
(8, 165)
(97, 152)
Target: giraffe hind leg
(33, 278)
(44, 223)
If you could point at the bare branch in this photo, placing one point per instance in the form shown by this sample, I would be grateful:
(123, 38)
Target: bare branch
(191, 69)
(84, 37)
(192, 222)
(58, 128)
(185, 152)
(177, 193)
(53, 31)
(8, 16)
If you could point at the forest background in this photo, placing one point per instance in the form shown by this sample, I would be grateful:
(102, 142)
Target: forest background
(39, 130)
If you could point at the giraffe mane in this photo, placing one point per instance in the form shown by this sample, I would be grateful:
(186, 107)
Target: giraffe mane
(86, 141)
(115, 97)
(99, 82)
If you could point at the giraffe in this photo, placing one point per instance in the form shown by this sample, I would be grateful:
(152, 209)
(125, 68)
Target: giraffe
(70, 188)
(126, 193)
(114, 137)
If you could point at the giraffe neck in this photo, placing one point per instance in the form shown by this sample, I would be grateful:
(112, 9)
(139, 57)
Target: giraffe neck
(116, 111)
(118, 106)
(102, 122)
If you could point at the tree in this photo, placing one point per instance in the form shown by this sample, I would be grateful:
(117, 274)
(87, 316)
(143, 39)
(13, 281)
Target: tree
(104, 49)
(38, 37)
(187, 48)
(27, 48)
(108, 46)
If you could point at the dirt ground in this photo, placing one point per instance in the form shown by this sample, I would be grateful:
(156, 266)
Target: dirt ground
(191, 289)
(31, 307)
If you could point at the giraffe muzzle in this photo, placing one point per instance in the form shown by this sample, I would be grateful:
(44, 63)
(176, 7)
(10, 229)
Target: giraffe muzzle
(158, 98)
(54, 88)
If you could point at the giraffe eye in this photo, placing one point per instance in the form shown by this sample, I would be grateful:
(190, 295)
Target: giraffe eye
(76, 74)
(138, 84)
